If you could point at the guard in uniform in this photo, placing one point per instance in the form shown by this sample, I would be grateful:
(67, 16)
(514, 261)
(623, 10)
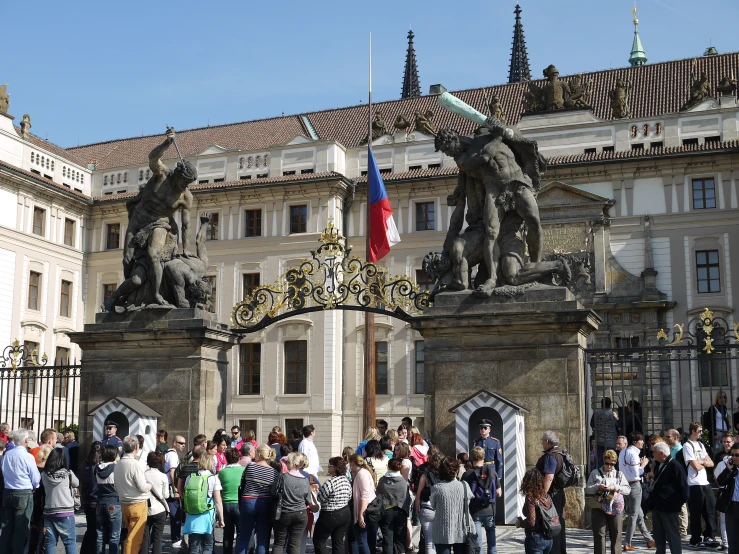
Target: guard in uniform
(112, 439)
(491, 446)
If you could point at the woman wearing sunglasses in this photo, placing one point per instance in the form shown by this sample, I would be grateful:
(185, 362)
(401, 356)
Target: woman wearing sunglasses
(603, 486)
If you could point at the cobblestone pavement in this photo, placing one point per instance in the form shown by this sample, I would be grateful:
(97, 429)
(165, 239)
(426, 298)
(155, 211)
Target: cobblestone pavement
(510, 540)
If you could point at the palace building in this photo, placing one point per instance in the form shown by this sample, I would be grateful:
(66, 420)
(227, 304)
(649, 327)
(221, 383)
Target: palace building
(640, 196)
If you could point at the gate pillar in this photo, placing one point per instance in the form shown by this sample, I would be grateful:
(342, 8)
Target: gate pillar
(173, 360)
(529, 349)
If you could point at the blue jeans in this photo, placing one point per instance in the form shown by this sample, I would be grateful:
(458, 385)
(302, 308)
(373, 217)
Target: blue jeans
(255, 513)
(16, 519)
(175, 519)
(230, 524)
(60, 528)
(363, 541)
(108, 524)
(201, 543)
(488, 522)
(535, 543)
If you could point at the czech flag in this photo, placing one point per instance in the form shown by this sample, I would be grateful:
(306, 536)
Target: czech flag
(382, 230)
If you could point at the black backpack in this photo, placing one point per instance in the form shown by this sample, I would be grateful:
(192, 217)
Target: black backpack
(570, 474)
(550, 524)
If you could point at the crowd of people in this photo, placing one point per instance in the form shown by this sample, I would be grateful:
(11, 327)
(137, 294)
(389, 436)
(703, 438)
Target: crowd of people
(394, 492)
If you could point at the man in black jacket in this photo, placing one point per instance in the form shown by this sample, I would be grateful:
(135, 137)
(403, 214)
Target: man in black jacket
(669, 492)
(730, 477)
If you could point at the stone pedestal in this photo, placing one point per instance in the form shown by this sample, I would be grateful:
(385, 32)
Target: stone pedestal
(174, 361)
(528, 349)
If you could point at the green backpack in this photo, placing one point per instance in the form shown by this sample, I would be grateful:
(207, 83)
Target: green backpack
(196, 494)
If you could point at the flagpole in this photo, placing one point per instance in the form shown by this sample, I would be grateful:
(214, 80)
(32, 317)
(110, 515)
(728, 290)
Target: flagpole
(368, 411)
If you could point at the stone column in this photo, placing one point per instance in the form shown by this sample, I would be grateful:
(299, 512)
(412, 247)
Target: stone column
(174, 361)
(529, 349)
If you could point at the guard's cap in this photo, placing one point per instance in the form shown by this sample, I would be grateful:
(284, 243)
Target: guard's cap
(485, 423)
(109, 424)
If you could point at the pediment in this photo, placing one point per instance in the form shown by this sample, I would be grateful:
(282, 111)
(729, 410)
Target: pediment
(558, 194)
(213, 149)
(484, 397)
(299, 139)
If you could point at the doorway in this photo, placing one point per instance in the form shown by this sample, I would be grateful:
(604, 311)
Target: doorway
(121, 421)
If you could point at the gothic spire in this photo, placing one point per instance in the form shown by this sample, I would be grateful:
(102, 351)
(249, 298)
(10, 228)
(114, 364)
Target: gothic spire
(638, 56)
(519, 71)
(411, 84)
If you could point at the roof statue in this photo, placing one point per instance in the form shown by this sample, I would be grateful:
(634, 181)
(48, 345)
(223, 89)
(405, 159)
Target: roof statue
(519, 70)
(25, 125)
(4, 99)
(379, 127)
(401, 124)
(619, 97)
(496, 109)
(638, 56)
(557, 94)
(411, 83)
(700, 89)
(423, 122)
(727, 86)
(711, 51)
(497, 199)
(156, 274)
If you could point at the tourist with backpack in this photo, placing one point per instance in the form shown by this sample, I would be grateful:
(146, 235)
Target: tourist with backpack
(108, 511)
(701, 502)
(59, 503)
(171, 470)
(202, 500)
(291, 496)
(540, 519)
(559, 472)
(485, 486)
(604, 496)
(450, 499)
(393, 490)
(423, 507)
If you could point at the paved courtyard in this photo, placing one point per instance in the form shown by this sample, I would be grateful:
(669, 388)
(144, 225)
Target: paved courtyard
(510, 540)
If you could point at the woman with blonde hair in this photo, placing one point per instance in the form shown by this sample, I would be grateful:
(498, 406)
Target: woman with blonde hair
(291, 493)
(603, 483)
(371, 434)
(256, 501)
(363, 535)
(200, 527)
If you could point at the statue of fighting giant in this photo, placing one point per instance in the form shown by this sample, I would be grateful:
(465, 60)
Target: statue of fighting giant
(154, 271)
(499, 177)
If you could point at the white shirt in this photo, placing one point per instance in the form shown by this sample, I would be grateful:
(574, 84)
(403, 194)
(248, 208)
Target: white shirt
(160, 487)
(695, 451)
(171, 460)
(721, 425)
(307, 447)
(629, 464)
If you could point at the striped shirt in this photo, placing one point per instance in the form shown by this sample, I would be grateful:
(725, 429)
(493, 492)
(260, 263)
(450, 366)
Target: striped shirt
(257, 480)
(335, 494)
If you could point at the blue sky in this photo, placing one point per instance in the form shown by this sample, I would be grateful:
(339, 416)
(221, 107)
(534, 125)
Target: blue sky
(94, 71)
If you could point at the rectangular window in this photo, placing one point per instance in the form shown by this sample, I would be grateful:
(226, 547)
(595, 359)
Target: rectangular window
(419, 367)
(28, 382)
(637, 146)
(296, 366)
(713, 370)
(61, 383)
(690, 142)
(291, 424)
(425, 216)
(250, 373)
(69, 232)
(253, 223)
(704, 194)
(213, 227)
(113, 236)
(626, 342)
(59, 424)
(108, 290)
(298, 219)
(27, 423)
(247, 425)
(609, 148)
(381, 368)
(39, 218)
(707, 269)
(65, 301)
(590, 151)
(251, 282)
(423, 281)
(34, 288)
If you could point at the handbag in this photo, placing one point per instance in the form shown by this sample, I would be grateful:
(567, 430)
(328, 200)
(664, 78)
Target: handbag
(470, 536)
(277, 500)
(375, 510)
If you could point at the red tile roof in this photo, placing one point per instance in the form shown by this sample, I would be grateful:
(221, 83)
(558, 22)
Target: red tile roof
(656, 89)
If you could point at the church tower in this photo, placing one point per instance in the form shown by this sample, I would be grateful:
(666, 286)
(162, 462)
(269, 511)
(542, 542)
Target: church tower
(411, 84)
(638, 56)
(520, 70)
